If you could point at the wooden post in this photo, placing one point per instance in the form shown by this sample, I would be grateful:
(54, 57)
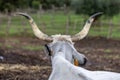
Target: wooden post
(8, 23)
(41, 23)
(110, 29)
(52, 16)
(7, 27)
(23, 29)
(67, 24)
(75, 25)
(67, 11)
(40, 9)
(40, 12)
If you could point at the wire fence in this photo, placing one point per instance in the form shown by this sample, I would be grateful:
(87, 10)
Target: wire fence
(10, 25)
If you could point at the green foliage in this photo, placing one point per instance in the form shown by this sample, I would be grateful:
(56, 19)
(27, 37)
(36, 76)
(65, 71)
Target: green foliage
(85, 6)
(47, 4)
(35, 4)
(110, 7)
(11, 5)
(60, 3)
(88, 7)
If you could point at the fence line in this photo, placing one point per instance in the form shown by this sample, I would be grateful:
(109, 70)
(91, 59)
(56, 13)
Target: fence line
(98, 26)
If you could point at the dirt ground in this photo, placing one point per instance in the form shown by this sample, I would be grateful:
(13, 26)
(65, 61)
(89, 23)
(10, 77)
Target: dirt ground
(20, 63)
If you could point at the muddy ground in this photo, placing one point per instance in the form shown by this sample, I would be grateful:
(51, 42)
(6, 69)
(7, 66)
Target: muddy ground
(18, 61)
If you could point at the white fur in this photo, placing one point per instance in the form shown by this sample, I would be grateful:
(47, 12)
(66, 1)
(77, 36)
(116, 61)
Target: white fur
(63, 69)
(59, 37)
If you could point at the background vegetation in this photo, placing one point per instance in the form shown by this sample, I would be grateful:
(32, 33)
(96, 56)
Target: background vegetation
(60, 16)
(88, 7)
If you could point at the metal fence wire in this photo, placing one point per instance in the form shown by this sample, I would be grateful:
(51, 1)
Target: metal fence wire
(14, 25)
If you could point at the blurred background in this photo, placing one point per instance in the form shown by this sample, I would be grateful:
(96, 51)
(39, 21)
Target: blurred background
(67, 16)
(21, 53)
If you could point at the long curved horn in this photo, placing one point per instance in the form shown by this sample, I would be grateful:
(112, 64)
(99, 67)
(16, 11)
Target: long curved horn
(36, 30)
(86, 28)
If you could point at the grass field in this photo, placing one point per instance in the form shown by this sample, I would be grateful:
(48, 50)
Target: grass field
(55, 23)
(24, 56)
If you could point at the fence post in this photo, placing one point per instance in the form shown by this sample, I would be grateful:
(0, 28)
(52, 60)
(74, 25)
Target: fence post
(52, 16)
(40, 15)
(67, 24)
(66, 12)
(8, 23)
(7, 27)
(110, 29)
(75, 25)
(40, 12)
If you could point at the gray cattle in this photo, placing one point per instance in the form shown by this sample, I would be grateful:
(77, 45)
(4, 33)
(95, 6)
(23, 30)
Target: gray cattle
(62, 69)
(62, 52)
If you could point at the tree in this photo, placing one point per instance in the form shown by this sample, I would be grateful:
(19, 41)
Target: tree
(11, 5)
(88, 7)
(47, 4)
(35, 4)
(110, 7)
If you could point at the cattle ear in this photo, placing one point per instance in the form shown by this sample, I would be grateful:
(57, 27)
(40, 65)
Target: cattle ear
(48, 50)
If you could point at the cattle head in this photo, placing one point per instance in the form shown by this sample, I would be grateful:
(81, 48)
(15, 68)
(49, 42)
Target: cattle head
(63, 43)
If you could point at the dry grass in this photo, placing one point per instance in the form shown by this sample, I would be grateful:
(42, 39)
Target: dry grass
(13, 67)
(23, 72)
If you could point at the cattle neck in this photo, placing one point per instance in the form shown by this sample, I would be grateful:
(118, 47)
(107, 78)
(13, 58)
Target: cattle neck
(63, 69)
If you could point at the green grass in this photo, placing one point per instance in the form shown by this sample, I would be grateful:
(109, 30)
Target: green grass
(9, 43)
(0, 44)
(32, 48)
(55, 24)
(9, 46)
(108, 50)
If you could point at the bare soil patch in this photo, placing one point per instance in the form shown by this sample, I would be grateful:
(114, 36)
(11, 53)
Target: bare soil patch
(28, 63)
